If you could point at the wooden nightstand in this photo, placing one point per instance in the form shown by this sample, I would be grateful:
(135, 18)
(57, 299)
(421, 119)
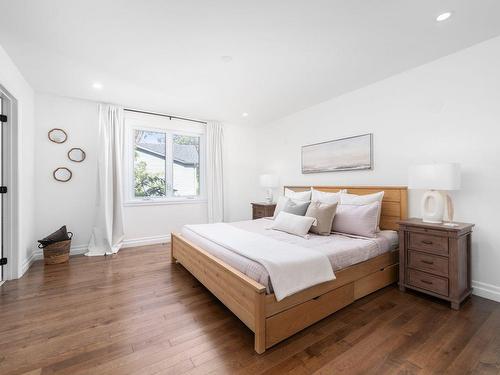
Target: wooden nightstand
(435, 259)
(262, 209)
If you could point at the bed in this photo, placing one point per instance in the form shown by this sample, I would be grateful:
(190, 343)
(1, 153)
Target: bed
(246, 290)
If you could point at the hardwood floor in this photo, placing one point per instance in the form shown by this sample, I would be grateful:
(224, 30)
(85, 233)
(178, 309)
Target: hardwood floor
(135, 313)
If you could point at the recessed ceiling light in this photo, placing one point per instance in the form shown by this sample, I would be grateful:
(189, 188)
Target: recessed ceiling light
(226, 59)
(443, 16)
(97, 85)
(244, 114)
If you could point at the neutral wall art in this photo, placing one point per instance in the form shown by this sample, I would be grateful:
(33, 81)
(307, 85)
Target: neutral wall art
(345, 154)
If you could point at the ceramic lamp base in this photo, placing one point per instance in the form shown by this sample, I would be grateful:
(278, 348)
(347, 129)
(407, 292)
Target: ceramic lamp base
(432, 207)
(269, 197)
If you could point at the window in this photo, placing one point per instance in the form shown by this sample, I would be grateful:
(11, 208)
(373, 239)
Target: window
(186, 165)
(150, 164)
(165, 163)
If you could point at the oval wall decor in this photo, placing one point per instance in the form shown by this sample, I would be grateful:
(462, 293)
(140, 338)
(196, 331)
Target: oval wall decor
(76, 154)
(57, 135)
(62, 174)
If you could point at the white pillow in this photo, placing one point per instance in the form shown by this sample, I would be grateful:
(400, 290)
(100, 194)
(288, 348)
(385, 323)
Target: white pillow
(280, 204)
(357, 220)
(360, 200)
(325, 197)
(293, 224)
(303, 196)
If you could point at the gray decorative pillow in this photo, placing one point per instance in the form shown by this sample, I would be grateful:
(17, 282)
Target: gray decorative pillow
(296, 208)
(324, 214)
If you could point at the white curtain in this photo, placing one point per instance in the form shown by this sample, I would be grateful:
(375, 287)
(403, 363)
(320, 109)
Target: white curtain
(215, 190)
(107, 233)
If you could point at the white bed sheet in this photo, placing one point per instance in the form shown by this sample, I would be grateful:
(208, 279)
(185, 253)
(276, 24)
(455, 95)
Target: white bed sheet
(342, 250)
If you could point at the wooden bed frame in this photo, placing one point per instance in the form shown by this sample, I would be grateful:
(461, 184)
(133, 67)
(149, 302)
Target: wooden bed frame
(273, 321)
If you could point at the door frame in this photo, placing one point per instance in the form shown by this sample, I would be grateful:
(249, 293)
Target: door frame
(10, 179)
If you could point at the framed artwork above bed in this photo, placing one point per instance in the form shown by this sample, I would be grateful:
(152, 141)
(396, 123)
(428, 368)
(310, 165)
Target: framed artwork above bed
(344, 154)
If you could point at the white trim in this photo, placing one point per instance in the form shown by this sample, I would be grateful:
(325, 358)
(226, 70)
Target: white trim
(82, 249)
(27, 264)
(143, 241)
(11, 233)
(1, 282)
(157, 202)
(486, 290)
(135, 121)
(75, 250)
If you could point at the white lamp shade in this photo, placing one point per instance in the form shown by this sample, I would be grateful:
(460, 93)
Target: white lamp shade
(442, 176)
(269, 180)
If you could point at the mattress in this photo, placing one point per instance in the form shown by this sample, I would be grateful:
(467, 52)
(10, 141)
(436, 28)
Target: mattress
(342, 250)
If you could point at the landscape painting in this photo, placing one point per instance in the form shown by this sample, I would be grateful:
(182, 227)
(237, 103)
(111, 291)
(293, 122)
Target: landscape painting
(346, 154)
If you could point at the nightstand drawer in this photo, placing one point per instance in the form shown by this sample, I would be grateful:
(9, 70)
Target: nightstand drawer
(429, 243)
(427, 262)
(259, 212)
(427, 281)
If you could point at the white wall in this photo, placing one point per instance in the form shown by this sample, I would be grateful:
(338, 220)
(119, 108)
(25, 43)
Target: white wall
(73, 203)
(240, 172)
(65, 203)
(447, 110)
(12, 80)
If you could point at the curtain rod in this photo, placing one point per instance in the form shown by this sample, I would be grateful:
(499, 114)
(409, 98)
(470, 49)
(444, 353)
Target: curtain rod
(162, 115)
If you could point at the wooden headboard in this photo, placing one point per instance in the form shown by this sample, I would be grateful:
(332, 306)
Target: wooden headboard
(394, 204)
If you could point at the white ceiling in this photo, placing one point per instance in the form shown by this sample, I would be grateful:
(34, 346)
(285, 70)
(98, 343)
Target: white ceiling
(287, 55)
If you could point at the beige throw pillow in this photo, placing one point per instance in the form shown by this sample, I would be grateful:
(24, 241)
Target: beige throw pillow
(324, 214)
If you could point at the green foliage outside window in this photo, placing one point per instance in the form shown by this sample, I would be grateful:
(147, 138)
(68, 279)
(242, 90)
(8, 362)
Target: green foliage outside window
(147, 184)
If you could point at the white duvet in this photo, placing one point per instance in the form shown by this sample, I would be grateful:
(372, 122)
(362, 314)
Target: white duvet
(291, 268)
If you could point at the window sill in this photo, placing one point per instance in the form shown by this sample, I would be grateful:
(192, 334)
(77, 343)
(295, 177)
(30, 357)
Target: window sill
(160, 202)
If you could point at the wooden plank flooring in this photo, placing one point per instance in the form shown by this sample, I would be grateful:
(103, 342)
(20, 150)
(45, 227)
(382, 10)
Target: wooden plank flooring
(135, 313)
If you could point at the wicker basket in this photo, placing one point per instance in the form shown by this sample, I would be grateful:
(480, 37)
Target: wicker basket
(57, 252)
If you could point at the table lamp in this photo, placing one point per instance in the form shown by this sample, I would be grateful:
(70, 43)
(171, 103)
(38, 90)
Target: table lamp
(269, 182)
(435, 178)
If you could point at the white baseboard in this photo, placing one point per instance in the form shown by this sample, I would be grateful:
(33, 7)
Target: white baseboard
(75, 250)
(82, 249)
(27, 263)
(143, 241)
(486, 290)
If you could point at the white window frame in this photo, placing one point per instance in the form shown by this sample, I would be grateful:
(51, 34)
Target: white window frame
(129, 197)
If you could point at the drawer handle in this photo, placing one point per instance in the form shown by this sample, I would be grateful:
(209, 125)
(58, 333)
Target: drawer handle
(427, 262)
(427, 242)
(426, 282)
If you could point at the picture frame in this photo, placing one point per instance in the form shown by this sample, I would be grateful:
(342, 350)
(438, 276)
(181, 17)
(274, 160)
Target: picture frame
(343, 154)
